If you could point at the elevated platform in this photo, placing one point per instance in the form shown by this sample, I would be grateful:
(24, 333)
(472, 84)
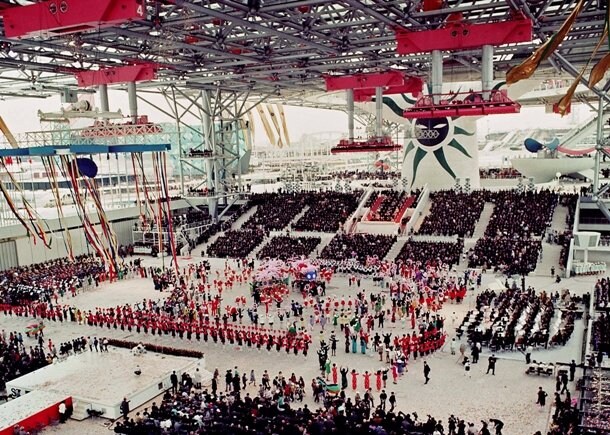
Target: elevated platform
(100, 129)
(100, 381)
(189, 196)
(544, 170)
(372, 145)
(462, 104)
(32, 411)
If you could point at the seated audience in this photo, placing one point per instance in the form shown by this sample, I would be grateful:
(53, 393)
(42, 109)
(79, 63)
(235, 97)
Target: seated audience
(507, 255)
(275, 211)
(358, 247)
(448, 253)
(39, 281)
(286, 247)
(236, 244)
(453, 213)
(328, 211)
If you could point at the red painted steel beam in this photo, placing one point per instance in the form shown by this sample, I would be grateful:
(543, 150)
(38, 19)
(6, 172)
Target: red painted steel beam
(61, 17)
(121, 74)
(413, 85)
(458, 36)
(366, 81)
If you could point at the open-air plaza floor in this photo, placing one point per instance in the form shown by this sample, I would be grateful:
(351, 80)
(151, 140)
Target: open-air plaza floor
(509, 395)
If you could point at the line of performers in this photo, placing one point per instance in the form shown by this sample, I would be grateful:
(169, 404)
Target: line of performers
(217, 332)
(291, 340)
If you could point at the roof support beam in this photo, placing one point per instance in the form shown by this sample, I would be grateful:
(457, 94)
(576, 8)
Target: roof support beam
(253, 25)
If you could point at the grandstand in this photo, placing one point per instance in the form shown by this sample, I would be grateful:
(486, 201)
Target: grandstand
(154, 201)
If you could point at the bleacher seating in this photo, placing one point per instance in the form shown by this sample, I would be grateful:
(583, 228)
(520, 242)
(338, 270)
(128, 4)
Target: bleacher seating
(236, 244)
(512, 240)
(286, 247)
(275, 211)
(507, 255)
(389, 205)
(328, 211)
(448, 253)
(453, 213)
(357, 246)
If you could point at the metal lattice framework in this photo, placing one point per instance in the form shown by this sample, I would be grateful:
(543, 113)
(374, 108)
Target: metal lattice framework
(281, 47)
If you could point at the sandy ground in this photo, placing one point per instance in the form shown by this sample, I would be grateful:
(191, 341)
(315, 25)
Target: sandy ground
(510, 395)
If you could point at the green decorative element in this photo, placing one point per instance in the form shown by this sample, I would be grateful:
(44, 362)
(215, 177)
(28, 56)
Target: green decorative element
(498, 86)
(440, 157)
(458, 146)
(439, 153)
(460, 130)
(409, 148)
(454, 96)
(419, 155)
(407, 99)
(393, 106)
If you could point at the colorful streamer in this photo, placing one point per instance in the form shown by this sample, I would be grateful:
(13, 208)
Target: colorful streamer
(529, 65)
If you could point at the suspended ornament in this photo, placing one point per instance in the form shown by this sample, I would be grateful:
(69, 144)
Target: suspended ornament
(87, 167)
(532, 145)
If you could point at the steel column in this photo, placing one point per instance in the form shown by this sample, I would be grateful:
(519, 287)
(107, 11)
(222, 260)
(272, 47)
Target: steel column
(487, 71)
(379, 111)
(179, 140)
(103, 90)
(209, 136)
(599, 145)
(350, 115)
(437, 75)
(133, 101)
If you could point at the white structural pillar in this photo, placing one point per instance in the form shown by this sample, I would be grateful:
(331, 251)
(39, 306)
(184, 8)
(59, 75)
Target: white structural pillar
(437, 75)
(598, 145)
(487, 71)
(133, 101)
(350, 115)
(379, 111)
(210, 145)
(103, 90)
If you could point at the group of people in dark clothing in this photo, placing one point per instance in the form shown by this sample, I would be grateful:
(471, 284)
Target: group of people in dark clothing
(328, 211)
(20, 285)
(453, 213)
(236, 243)
(448, 252)
(196, 411)
(287, 247)
(16, 361)
(358, 247)
(513, 238)
(275, 210)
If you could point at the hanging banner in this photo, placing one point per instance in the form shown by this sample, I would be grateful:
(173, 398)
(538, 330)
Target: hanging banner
(276, 124)
(280, 108)
(266, 126)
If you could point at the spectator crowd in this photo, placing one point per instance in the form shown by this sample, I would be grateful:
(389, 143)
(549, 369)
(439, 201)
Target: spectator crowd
(426, 252)
(453, 213)
(236, 243)
(41, 280)
(275, 211)
(286, 247)
(358, 246)
(328, 211)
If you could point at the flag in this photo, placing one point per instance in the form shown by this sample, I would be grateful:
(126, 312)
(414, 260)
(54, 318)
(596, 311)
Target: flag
(599, 70)
(564, 104)
(529, 65)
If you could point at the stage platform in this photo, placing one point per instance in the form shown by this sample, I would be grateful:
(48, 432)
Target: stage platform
(32, 411)
(100, 381)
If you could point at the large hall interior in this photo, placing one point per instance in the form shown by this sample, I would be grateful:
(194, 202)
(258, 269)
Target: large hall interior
(304, 217)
